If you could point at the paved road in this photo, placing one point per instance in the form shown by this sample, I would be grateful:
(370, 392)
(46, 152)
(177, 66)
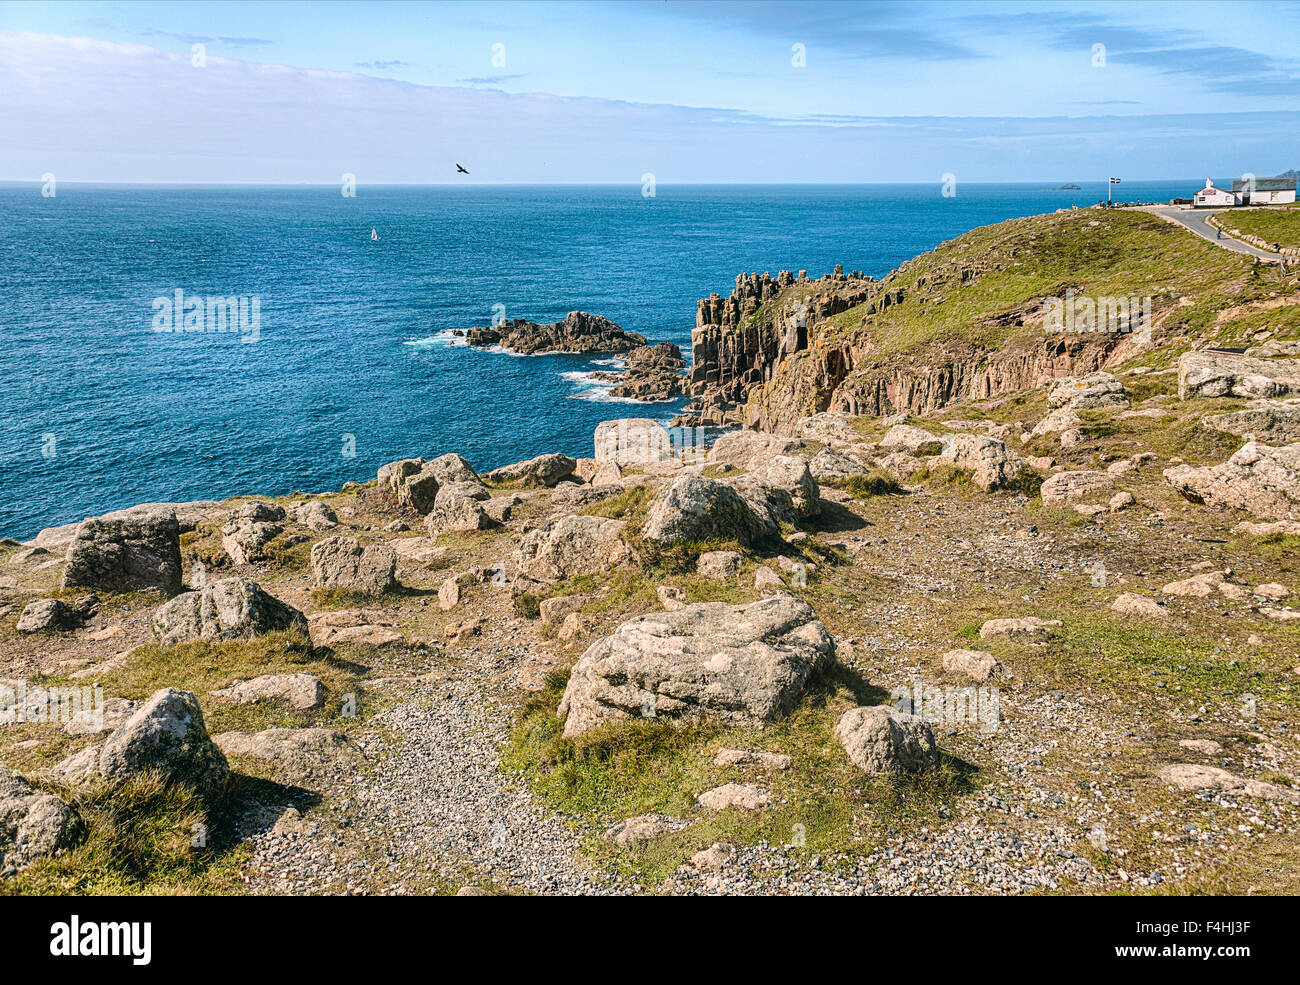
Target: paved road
(1197, 220)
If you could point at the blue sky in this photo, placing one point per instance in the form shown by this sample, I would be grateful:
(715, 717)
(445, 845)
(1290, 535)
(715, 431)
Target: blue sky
(605, 92)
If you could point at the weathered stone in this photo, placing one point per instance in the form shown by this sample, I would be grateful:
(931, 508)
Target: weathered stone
(718, 564)
(975, 664)
(499, 508)
(554, 609)
(316, 515)
(1189, 776)
(750, 449)
(1132, 604)
(766, 580)
(457, 511)
(230, 609)
(1087, 392)
(301, 692)
(671, 598)
(166, 733)
(1260, 479)
(542, 471)
(1222, 374)
(829, 465)
(698, 508)
(991, 464)
(1197, 586)
(744, 796)
(33, 825)
(714, 858)
(1058, 421)
(124, 554)
(578, 332)
(917, 442)
(879, 739)
(342, 563)
(743, 664)
(830, 428)
(792, 476)
(1271, 421)
(56, 614)
(294, 754)
(636, 832)
(245, 540)
(1025, 626)
(572, 545)
(1070, 487)
(631, 441)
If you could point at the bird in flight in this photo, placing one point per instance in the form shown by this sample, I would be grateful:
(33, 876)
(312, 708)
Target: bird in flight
(461, 170)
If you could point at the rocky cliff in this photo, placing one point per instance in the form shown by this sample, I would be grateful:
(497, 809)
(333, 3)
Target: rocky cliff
(963, 322)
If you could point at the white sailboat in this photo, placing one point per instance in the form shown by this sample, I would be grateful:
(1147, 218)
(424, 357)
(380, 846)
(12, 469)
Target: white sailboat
(374, 235)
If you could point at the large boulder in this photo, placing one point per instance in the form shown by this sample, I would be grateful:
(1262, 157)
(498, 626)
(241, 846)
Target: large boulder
(1260, 479)
(125, 554)
(450, 468)
(342, 563)
(741, 664)
(632, 441)
(57, 614)
(1087, 392)
(542, 471)
(1070, 487)
(1226, 374)
(915, 441)
(829, 465)
(32, 824)
(879, 739)
(315, 515)
(572, 545)
(793, 476)
(460, 506)
(245, 539)
(830, 428)
(990, 463)
(230, 609)
(1275, 422)
(750, 449)
(166, 733)
(699, 508)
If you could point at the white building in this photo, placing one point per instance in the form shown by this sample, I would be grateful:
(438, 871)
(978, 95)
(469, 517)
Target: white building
(1209, 196)
(1264, 191)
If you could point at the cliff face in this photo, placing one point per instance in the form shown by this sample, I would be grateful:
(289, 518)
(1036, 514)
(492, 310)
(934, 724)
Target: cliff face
(738, 341)
(855, 379)
(963, 322)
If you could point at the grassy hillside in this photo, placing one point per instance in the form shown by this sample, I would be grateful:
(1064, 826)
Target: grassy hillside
(1276, 225)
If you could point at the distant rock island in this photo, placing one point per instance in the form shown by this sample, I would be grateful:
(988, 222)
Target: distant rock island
(579, 332)
(1069, 186)
(653, 372)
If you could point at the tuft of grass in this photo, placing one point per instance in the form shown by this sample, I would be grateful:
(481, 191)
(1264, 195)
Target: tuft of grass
(625, 505)
(146, 837)
(877, 482)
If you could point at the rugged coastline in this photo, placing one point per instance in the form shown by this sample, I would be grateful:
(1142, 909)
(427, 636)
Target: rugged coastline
(673, 669)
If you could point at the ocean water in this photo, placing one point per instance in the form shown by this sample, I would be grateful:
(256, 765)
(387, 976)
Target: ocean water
(350, 366)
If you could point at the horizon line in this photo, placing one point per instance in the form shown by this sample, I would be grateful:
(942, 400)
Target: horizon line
(561, 184)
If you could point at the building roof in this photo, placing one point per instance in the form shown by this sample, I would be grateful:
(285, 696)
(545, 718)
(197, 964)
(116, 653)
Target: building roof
(1265, 185)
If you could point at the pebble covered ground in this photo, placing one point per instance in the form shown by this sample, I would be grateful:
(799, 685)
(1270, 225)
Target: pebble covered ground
(1065, 777)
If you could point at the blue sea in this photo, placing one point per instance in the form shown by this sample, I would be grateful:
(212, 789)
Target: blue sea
(351, 364)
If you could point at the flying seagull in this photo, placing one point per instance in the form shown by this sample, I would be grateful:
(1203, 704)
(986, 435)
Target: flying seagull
(461, 170)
